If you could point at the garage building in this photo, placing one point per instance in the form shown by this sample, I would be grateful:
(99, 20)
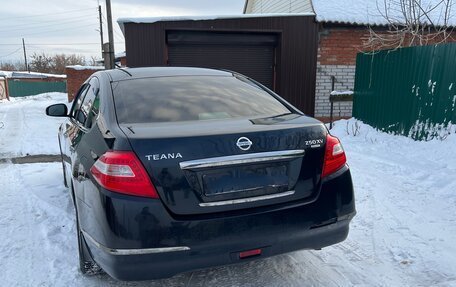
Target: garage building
(280, 51)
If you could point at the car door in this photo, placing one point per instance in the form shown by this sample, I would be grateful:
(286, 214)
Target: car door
(69, 131)
(79, 123)
(83, 143)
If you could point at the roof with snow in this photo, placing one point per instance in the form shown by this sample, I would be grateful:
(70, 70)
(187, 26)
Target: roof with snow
(371, 12)
(80, 67)
(120, 54)
(29, 75)
(149, 20)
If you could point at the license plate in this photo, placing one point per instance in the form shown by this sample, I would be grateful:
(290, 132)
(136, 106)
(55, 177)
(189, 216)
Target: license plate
(245, 179)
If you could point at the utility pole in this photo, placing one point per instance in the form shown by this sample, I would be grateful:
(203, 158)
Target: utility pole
(25, 56)
(101, 29)
(112, 60)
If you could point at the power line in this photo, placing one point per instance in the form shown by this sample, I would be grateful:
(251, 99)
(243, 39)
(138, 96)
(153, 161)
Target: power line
(58, 44)
(41, 51)
(40, 15)
(58, 30)
(41, 26)
(47, 22)
(117, 37)
(34, 47)
(118, 34)
(11, 53)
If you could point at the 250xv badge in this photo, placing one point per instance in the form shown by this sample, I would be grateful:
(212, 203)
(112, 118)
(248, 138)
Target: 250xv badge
(314, 143)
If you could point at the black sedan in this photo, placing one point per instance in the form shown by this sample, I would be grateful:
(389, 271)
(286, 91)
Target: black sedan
(177, 169)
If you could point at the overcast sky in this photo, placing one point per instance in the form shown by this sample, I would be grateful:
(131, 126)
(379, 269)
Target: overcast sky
(71, 26)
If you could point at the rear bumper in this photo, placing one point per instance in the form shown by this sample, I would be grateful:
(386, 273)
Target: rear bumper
(168, 263)
(138, 239)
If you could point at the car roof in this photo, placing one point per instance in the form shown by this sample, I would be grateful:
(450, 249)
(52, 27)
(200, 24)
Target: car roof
(154, 72)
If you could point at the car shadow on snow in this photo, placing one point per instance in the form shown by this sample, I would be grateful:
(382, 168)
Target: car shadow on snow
(281, 270)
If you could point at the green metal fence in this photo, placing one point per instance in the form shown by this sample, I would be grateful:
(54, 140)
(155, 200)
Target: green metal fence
(408, 91)
(19, 88)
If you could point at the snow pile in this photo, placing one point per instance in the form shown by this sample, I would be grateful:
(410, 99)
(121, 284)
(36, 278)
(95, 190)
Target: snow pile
(5, 74)
(405, 190)
(342, 93)
(26, 74)
(25, 128)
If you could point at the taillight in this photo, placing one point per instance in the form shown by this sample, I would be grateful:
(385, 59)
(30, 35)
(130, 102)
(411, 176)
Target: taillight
(334, 156)
(121, 171)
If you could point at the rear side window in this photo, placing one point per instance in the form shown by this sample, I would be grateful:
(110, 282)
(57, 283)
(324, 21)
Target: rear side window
(191, 98)
(79, 98)
(90, 105)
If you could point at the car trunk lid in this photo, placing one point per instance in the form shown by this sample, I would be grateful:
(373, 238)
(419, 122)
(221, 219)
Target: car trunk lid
(219, 166)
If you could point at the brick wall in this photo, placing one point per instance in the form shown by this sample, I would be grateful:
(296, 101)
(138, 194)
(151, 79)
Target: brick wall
(76, 76)
(123, 61)
(338, 47)
(337, 57)
(344, 80)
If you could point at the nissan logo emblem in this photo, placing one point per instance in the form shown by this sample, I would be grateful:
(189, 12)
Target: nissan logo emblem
(244, 143)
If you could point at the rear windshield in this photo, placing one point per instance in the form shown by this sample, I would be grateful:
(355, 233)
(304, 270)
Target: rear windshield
(191, 98)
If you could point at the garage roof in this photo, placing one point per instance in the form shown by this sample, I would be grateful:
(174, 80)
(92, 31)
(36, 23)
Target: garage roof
(149, 20)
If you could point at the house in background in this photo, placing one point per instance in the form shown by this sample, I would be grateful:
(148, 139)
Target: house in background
(121, 59)
(76, 76)
(343, 32)
(3, 88)
(22, 84)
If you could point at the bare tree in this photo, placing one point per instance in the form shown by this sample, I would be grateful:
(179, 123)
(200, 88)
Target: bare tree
(412, 23)
(12, 66)
(41, 63)
(61, 61)
(95, 61)
(55, 64)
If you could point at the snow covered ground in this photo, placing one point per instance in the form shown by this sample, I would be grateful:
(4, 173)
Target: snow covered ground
(25, 128)
(404, 233)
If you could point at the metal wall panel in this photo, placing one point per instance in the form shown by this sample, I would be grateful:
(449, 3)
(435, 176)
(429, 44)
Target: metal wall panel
(256, 62)
(21, 88)
(279, 6)
(408, 91)
(296, 54)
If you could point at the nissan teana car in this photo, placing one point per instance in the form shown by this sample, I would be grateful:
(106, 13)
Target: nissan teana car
(175, 169)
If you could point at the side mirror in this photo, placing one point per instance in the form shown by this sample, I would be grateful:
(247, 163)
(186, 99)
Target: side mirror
(57, 110)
